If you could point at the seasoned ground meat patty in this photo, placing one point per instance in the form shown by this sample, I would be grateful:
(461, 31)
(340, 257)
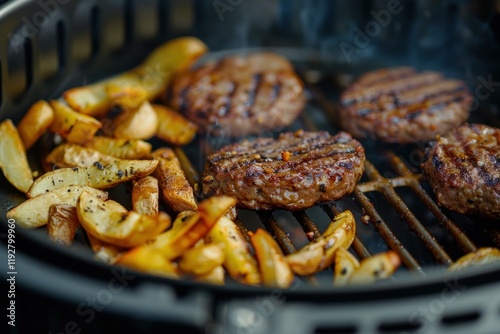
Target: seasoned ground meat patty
(463, 168)
(399, 105)
(295, 171)
(240, 95)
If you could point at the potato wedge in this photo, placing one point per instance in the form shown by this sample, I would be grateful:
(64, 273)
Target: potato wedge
(62, 223)
(145, 194)
(121, 148)
(140, 123)
(215, 276)
(375, 267)
(175, 188)
(104, 252)
(238, 261)
(35, 122)
(320, 254)
(13, 160)
(127, 98)
(174, 56)
(100, 176)
(202, 260)
(481, 256)
(74, 127)
(71, 155)
(153, 75)
(197, 226)
(148, 260)
(188, 228)
(274, 268)
(345, 265)
(122, 229)
(174, 128)
(35, 211)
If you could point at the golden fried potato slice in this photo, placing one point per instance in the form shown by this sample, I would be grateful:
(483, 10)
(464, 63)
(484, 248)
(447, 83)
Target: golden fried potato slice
(320, 254)
(121, 148)
(215, 276)
(375, 267)
(127, 98)
(122, 229)
(62, 223)
(148, 260)
(274, 268)
(13, 160)
(35, 122)
(174, 128)
(153, 75)
(175, 188)
(35, 211)
(71, 155)
(481, 256)
(174, 56)
(198, 225)
(74, 127)
(202, 259)
(104, 252)
(145, 194)
(238, 261)
(345, 265)
(100, 176)
(140, 123)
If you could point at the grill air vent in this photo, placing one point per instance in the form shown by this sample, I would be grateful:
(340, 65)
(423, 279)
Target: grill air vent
(336, 330)
(460, 318)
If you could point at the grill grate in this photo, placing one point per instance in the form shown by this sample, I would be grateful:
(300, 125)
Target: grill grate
(374, 182)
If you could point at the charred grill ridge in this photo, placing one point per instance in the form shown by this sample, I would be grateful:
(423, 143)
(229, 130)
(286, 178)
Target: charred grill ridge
(239, 95)
(463, 176)
(317, 168)
(404, 106)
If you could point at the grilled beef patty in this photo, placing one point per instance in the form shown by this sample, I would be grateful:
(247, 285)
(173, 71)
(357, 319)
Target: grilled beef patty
(399, 105)
(293, 172)
(240, 95)
(463, 168)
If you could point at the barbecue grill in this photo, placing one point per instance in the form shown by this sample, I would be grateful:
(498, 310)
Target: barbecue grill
(54, 45)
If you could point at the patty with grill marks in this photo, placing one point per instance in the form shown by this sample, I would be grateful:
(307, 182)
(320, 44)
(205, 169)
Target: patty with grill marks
(293, 172)
(239, 95)
(400, 105)
(463, 168)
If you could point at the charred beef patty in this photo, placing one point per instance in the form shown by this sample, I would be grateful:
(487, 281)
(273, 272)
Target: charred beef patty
(463, 168)
(240, 95)
(293, 172)
(399, 105)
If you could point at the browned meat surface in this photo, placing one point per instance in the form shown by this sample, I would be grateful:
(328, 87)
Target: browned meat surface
(240, 95)
(293, 172)
(463, 168)
(399, 105)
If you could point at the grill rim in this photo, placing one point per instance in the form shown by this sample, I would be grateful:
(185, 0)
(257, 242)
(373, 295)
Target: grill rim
(16, 9)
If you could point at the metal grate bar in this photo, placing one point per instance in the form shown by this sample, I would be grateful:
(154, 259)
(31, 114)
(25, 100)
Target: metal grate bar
(456, 232)
(276, 231)
(400, 206)
(307, 224)
(390, 238)
(242, 229)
